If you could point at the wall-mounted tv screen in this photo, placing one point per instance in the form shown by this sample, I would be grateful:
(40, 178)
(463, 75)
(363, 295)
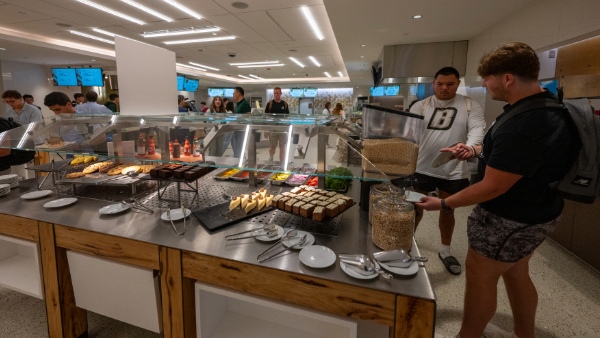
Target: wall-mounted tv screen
(191, 85)
(310, 92)
(228, 92)
(90, 77)
(215, 92)
(378, 91)
(64, 76)
(296, 92)
(392, 90)
(551, 85)
(180, 82)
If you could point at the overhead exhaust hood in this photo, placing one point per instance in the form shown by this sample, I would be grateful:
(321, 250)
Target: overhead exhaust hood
(418, 63)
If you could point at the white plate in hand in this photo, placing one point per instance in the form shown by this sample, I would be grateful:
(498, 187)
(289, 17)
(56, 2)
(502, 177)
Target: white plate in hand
(113, 209)
(317, 256)
(60, 202)
(36, 194)
(261, 236)
(443, 157)
(176, 214)
(350, 272)
(411, 270)
(413, 196)
(290, 242)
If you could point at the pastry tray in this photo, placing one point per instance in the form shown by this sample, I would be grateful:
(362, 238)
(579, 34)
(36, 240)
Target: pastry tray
(218, 216)
(99, 178)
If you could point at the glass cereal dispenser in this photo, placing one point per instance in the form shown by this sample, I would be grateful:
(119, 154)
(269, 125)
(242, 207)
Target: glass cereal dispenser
(393, 222)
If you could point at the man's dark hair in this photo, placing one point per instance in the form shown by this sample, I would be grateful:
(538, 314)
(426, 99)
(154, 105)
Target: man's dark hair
(514, 58)
(113, 96)
(240, 90)
(56, 98)
(91, 96)
(13, 94)
(77, 95)
(447, 71)
(203, 102)
(27, 96)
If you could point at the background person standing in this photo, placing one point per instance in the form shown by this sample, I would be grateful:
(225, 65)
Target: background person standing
(241, 107)
(19, 110)
(277, 106)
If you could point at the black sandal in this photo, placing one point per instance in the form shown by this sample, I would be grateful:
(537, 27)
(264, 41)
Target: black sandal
(451, 264)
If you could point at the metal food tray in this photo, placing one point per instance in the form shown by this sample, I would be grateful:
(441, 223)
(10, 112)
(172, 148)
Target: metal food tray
(287, 181)
(147, 177)
(94, 178)
(219, 176)
(278, 182)
(218, 216)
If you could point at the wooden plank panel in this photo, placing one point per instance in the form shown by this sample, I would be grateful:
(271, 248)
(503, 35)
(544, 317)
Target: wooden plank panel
(415, 317)
(311, 292)
(64, 318)
(171, 292)
(107, 246)
(19, 227)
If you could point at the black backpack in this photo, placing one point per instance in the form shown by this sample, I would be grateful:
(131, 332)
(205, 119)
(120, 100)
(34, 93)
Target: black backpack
(581, 183)
(16, 156)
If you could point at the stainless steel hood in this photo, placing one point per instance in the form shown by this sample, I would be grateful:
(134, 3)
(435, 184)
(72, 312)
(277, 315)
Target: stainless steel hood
(418, 63)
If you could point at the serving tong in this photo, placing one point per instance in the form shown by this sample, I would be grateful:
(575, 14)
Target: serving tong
(268, 228)
(297, 245)
(131, 202)
(183, 209)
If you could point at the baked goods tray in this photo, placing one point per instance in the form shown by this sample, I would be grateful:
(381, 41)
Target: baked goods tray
(64, 166)
(100, 178)
(50, 147)
(218, 216)
(325, 220)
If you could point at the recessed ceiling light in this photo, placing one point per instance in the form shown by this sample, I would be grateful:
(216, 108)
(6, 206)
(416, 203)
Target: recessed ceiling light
(192, 67)
(239, 5)
(183, 9)
(294, 74)
(312, 22)
(111, 11)
(93, 37)
(363, 45)
(185, 31)
(147, 10)
(362, 56)
(256, 77)
(297, 62)
(203, 66)
(92, 60)
(102, 31)
(314, 61)
(418, 16)
(2, 48)
(327, 74)
(178, 42)
(213, 34)
(252, 63)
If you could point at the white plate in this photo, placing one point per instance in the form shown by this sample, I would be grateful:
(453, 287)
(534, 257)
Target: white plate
(289, 242)
(354, 274)
(36, 194)
(176, 214)
(317, 256)
(443, 157)
(411, 270)
(9, 178)
(62, 202)
(413, 196)
(113, 209)
(265, 238)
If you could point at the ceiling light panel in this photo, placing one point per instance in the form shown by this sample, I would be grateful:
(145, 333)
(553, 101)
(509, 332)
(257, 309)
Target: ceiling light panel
(191, 67)
(183, 8)
(312, 23)
(254, 76)
(178, 42)
(102, 31)
(253, 63)
(244, 77)
(111, 11)
(203, 66)
(93, 37)
(147, 10)
(175, 32)
(256, 66)
(340, 74)
(314, 61)
(327, 74)
(297, 62)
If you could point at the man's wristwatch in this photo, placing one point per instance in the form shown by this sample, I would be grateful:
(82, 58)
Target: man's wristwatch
(444, 205)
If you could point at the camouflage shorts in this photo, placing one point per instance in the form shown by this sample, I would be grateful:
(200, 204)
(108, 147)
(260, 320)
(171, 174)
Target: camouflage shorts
(504, 240)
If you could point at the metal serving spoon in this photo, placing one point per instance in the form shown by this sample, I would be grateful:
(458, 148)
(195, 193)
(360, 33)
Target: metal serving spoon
(364, 264)
(399, 258)
(256, 233)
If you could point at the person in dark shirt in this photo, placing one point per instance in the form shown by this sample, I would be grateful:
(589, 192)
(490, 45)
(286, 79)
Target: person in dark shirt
(277, 106)
(113, 103)
(516, 208)
(241, 107)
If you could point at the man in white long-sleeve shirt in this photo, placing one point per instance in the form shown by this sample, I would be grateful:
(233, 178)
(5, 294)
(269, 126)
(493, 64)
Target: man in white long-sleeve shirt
(449, 118)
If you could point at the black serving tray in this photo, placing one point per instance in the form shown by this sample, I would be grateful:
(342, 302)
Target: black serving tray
(218, 216)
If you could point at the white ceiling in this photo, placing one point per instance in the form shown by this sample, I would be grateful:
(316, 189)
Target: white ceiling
(31, 31)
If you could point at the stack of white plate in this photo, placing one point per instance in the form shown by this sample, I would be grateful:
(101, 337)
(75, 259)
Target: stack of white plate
(12, 180)
(4, 189)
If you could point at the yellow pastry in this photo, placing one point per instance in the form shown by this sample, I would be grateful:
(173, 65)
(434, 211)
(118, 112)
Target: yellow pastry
(262, 192)
(261, 202)
(251, 205)
(235, 202)
(269, 199)
(244, 200)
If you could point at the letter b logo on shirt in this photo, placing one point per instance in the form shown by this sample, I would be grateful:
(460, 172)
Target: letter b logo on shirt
(442, 118)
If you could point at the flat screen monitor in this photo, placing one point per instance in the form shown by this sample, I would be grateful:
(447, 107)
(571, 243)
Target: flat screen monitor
(296, 92)
(64, 76)
(378, 91)
(392, 90)
(180, 82)
(310, 92)
(90, 77)
(551, 85)
(191, 85)
(215, 92)
(228, 92)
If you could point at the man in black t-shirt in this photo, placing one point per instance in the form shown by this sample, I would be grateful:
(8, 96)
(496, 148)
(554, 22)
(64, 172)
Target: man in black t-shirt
(516, 208)
(277, 106)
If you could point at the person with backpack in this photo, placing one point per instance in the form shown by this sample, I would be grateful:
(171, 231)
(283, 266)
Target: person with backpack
(449, 118)
(516, 208)
(277, 106)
